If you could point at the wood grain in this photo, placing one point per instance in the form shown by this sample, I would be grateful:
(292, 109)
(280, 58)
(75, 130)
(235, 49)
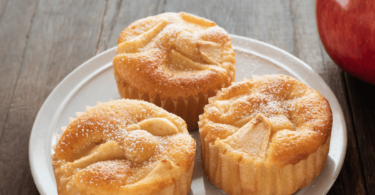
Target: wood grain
(111, 14)
(362, 96)
(120, 14)
(14, 32)
(3, 7)
(13, 36)
(63, 35)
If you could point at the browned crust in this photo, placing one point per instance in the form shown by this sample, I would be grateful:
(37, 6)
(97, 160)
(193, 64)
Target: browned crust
(295, 156)
(140, 71)
(101, 124)
(311, 116)
(147, 71)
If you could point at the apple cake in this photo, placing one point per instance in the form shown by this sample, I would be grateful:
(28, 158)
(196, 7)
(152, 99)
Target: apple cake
(267, 135)
(124, 147)
(176, 61)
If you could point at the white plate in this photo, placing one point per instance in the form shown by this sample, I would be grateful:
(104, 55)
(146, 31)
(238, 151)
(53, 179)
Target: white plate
(93, 81)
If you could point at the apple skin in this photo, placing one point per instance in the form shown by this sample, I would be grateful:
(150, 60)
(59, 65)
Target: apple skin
(347, 31)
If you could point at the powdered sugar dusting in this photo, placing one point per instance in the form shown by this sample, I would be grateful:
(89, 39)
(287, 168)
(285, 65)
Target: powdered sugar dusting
(186, 53)
(105, 145)
(285, 101)
(181, 34)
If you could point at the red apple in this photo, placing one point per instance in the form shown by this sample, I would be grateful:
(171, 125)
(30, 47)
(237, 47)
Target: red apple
(347, 31)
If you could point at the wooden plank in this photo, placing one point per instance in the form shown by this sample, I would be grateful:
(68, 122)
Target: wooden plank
(14, 29)
(120, 14)
(15, 24)
(308, 48)
(109, 22)
(3, 7)
(63, 35)
(362, 96)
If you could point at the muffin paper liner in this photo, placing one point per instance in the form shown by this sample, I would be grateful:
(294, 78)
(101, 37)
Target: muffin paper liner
(182, 186)
(188, 109)
(237, 177)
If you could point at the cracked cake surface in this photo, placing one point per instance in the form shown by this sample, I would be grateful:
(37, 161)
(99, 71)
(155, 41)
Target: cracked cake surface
(124, 147)
(174, 60)
(274, 124)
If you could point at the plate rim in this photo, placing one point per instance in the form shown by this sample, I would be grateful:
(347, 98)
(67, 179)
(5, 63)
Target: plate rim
(33, 135)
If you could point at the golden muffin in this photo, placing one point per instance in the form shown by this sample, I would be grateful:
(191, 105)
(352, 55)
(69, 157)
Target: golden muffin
(176, 61)
(268, 135)
(124, 147)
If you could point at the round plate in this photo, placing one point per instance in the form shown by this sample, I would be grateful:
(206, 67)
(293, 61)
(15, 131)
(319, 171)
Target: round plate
(94, 81)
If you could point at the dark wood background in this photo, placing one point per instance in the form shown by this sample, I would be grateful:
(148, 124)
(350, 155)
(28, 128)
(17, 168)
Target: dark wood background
(41, 41)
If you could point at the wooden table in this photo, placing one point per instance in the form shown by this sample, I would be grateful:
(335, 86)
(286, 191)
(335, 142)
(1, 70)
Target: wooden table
(41, 41)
